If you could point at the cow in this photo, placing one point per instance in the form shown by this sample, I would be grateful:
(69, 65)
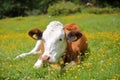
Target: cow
(89, 4)
(57, 43)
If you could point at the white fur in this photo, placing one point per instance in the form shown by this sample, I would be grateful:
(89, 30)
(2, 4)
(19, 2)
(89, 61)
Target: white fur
(54, 48)
(38, 64)
(35, 50)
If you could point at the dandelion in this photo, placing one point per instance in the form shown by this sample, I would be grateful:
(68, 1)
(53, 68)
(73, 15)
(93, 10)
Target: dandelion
(78, 66)
(101, 50)
(64, 74)
(102, 70)
(75, 77)
(54, 79)
(10, 65)
(116, 76)
(52, 72)
(3, 75)
(82, 67)
(61, 62)
(17, 69)
(88, 65)
(110, 59)
(66, 63)
(78, 70)
(92, 58)
(102, 61)
(91, 36)
(2, 69)
(67, 70)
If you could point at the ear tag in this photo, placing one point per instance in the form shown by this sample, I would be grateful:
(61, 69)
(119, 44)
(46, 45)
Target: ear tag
(74, 38)
(35, 36)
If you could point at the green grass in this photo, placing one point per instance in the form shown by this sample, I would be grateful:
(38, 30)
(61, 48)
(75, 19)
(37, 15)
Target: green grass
(102, 31)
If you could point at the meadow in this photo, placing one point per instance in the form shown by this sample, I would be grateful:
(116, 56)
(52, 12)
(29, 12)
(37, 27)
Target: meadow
(101, 63)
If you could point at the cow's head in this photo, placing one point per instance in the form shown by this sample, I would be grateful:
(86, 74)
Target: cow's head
(55, 40)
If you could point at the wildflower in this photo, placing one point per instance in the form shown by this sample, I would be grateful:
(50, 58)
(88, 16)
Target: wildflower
(78, 70)
(78, 66)
(101, 50)
(66, 63)
(102, 61)
(17, 69)
(82, 67)
(10, 65)
(2, 69)
(115, 77)
(52, 72)
(3, 75)
(75, 77)
(88, 65)
(102, 70)
(64, 74)
(110, 59)
(61, 62)
(67, 70)
(92, 58)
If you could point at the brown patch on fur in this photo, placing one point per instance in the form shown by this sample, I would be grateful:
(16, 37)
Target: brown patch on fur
(76, 48)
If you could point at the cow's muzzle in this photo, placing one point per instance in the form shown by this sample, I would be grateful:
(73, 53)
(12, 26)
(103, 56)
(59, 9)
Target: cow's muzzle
(45, 58)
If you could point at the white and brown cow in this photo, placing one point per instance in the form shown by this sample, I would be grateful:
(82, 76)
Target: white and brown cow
(57, 42)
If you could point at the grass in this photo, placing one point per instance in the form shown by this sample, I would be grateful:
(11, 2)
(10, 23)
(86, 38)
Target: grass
(102, 31)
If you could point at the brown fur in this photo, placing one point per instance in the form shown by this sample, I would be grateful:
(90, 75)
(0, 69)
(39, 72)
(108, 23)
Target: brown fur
(74, 49)
(35, 32)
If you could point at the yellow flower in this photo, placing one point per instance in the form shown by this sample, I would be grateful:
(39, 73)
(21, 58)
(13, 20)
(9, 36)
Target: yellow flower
(52, 72)
(88, 65)
(66, 63)
(116, 76)
(78, 70)
(10, 65)
(17, 69)
(61, 62)
(109, 59)
(75, 77)
(78, 66)
(3, 75)
(102, 70)
(2, 69)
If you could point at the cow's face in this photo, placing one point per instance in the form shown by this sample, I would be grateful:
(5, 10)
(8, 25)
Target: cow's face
(54, 42)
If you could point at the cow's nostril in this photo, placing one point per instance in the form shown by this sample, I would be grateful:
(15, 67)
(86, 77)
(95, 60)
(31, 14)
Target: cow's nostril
(45, 58)
(48, 58)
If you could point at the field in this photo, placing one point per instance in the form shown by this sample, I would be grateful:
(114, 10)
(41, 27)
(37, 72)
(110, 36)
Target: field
(101, 63)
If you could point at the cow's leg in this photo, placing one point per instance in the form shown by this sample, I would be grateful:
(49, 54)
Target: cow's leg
(35, 50)
(38, 64)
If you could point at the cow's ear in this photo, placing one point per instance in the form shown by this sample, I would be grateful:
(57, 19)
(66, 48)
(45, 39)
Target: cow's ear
(35, 34)
(73, 36)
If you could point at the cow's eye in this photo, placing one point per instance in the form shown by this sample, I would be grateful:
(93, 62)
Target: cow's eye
(60, 39)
